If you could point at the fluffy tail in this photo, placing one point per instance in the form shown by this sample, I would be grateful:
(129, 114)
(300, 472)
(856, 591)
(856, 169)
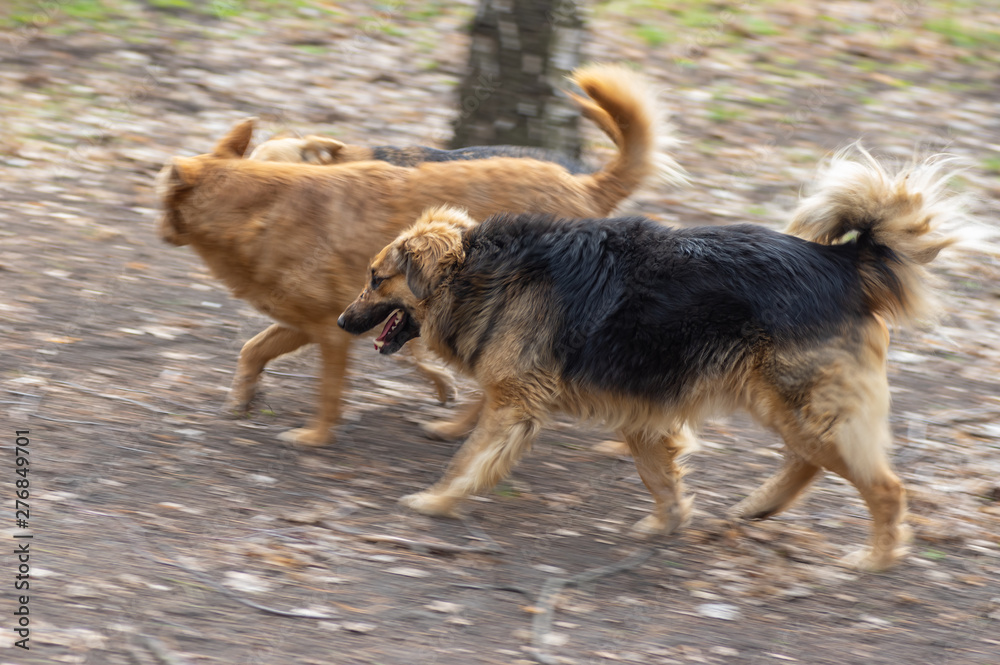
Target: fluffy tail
(898, 221)
(623, 105)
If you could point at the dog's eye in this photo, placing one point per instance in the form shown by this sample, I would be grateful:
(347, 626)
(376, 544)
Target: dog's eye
(376, 281)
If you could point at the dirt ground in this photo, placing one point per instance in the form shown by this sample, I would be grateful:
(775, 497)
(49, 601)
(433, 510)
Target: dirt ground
(165, 532)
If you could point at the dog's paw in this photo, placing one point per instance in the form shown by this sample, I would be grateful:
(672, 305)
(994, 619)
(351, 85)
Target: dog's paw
(650, 525)
(237, 407)
(428, 503)
(866, 560)
(304, 436)
(234, 411)
(612, 448)
(875, 560)
(654, 524)
(242, 395)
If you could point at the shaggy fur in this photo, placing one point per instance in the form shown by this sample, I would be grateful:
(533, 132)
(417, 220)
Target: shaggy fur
(293, 239)
(652, 329)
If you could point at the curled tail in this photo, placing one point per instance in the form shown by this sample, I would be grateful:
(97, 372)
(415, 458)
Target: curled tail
(897, 220)
(623, 105)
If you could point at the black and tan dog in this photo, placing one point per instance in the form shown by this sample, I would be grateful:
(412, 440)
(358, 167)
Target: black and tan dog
(652, 329)
(315, 149)
(294, 240)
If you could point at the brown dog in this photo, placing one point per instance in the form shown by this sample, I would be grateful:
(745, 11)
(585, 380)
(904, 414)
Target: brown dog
(652, 329)
(325, 150)
(293, 239)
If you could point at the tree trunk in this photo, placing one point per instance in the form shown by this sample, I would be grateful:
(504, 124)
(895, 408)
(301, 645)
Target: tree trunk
(521, 52)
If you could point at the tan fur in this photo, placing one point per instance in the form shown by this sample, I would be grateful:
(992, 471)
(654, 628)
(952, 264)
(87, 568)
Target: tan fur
(905, 210)
(323, 150)
(293, 239)
(834, 419)
(624, 107)
(309, 150)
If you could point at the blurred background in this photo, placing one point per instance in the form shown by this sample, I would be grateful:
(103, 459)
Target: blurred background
(166, 533)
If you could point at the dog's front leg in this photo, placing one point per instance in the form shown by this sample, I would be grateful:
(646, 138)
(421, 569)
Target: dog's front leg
(442, 379)
(655, 458)
(334, 345)
(504, 433)
(276, 340)
(461, 425)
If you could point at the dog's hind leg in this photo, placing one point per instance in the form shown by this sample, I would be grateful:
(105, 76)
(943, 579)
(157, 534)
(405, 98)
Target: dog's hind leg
(504, 433)
(844, 427)
(779, 491)
(860, 455)
(334, 345)
(878, 485)
(265, 346)
(886, 499)
(880, 488)
(655, 458)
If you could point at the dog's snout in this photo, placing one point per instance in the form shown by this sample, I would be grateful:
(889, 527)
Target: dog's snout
(342, 320)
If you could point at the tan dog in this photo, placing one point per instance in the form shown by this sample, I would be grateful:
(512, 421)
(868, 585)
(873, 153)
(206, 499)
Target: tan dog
(293, 239)
(652, 329)
(315, 149)
(325, 150)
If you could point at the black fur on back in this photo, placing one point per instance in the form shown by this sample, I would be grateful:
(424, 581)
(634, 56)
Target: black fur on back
(420, 154)
(642, 309)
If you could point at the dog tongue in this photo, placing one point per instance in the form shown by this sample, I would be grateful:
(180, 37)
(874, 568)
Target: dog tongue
(388, 327)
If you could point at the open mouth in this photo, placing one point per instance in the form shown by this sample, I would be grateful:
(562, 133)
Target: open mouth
(392, 327)
(397, 329)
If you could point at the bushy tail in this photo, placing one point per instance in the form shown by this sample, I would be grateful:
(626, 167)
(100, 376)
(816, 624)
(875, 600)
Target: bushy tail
(898, 221)
(624, 106)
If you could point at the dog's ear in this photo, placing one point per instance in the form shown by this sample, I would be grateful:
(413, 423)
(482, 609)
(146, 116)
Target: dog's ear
(429, 256)
(176, 175)
(320, 149)
(174, 178)
(185, 172)
(235, 143)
